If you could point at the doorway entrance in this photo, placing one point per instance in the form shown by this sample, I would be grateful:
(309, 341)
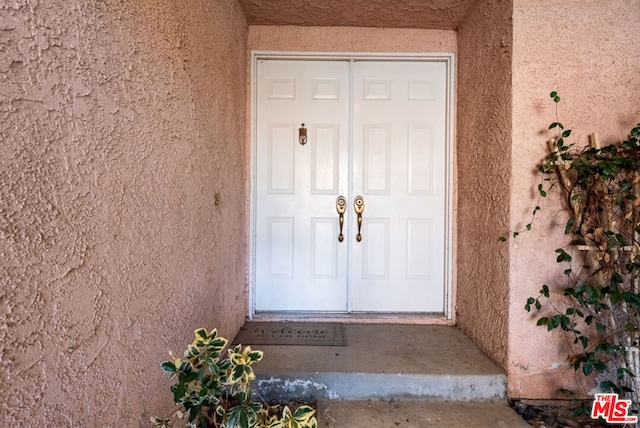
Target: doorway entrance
(351, 184)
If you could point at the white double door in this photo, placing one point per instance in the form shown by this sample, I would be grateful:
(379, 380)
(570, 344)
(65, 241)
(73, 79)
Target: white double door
(375, 130)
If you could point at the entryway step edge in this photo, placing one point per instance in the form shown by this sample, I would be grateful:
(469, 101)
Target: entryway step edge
(364, 386)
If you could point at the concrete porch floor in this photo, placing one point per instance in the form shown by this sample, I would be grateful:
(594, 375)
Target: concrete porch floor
(391, 375)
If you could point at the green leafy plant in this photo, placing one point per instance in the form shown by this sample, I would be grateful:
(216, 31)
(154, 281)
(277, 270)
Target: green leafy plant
(600, 309)
(213, 391)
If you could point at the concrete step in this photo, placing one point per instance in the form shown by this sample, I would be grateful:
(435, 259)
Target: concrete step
(382, 361)
(363, 386)
(417, 414)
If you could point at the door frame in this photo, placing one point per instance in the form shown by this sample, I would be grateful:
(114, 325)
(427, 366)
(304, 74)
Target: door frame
(448, 59)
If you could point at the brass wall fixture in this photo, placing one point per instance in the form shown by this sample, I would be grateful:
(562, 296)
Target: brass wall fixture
(358, 206)
(341, 207)
(302, 135)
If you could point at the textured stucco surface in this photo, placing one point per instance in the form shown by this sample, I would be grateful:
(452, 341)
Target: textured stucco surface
(431, 14)
(122, 200)
(588, 52)
(123, 191)
(484, 175)
(347, 39)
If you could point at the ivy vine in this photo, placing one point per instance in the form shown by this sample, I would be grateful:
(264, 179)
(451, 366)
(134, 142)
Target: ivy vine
(600, 308)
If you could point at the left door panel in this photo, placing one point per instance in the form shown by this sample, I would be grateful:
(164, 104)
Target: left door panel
(300, 264)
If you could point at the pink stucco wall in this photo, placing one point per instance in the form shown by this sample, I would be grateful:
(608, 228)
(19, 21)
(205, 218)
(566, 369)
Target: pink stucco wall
(122, 214)
(349, 39)
(588, 52)
(123, 191)
(357, 13)
(483, 148)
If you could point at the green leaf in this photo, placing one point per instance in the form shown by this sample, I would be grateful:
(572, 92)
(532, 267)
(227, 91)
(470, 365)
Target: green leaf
(530, 301)
(194, 412)
(562, 256)
(583, 341)
(186, 378)
(553, 94)
(543, 321)
(303, 414)
(241, 416)
(502, 239)
(566, 133)
(545, 290)
(286, 413)
(569, 225)
(185, 367)
(219, 342)
(237, 373)
(192, 351)
(600, 366)
(168, 366)
(622, 372)
(541, 190)
(565, 323)
(242, 396)
(608, 386)
(255, 355)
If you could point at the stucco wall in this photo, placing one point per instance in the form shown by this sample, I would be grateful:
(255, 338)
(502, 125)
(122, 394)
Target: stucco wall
(484, 175)
(350, 39)
(122, 213)
(588, 52)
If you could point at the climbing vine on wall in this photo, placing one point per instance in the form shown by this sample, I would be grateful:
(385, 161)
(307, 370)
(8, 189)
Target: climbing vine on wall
(600, 309)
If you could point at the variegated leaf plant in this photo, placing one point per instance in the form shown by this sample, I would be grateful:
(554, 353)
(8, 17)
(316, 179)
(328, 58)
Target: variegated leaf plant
(213, 391)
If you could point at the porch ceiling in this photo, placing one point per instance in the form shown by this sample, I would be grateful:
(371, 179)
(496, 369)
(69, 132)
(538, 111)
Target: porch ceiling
(433, 14)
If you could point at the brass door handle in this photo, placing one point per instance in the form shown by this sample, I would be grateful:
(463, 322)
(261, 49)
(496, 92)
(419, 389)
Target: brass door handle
(358, 206)
(341, 207)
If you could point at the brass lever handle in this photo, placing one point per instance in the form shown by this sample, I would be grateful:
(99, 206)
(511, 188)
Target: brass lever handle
(358, 206)
(341, 207)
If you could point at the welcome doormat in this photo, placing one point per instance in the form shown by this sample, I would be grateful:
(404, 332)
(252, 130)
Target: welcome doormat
(291, 333)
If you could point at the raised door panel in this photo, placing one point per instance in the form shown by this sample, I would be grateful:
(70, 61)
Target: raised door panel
(399, 136)
(299, 264)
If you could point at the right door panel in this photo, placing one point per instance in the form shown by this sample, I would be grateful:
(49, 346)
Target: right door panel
(399, 168)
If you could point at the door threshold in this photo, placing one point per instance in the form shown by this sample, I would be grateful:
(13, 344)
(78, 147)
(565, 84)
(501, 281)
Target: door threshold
(363, 318)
